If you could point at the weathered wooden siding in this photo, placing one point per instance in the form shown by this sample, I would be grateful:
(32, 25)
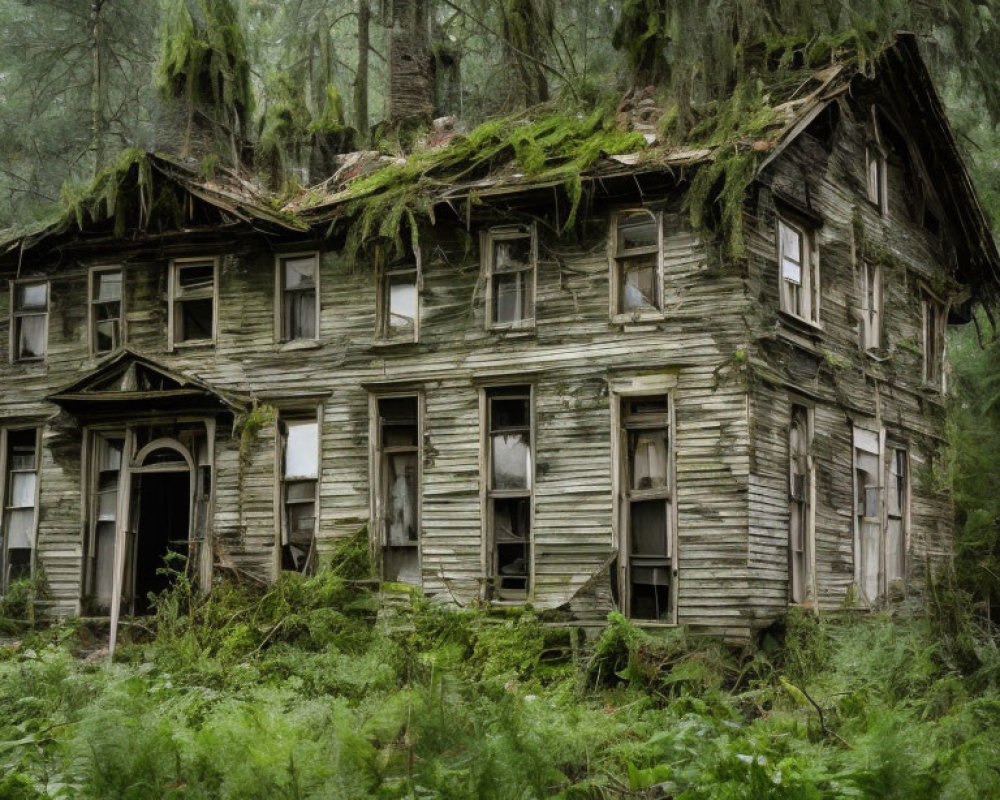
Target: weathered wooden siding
(568, 359)
(828, 370)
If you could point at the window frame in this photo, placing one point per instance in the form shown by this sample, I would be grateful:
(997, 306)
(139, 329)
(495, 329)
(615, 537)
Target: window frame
(280, 320)
(174, 300)
(17, 314)
(871, 288)
(934, 324)
(809, 285)
(488, 240)
(5, 482)
(296, 415)
(378, 471)
(620, 391)
(618, 256)
(384, 274)
(877, 157)
(92, 303)
(515, 388)
(807, 503)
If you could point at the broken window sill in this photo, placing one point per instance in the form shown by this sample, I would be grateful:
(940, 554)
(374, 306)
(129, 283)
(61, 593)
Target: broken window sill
(193, 345)
(388, 344)
(299, 344)
(638, 322)
(513, 331)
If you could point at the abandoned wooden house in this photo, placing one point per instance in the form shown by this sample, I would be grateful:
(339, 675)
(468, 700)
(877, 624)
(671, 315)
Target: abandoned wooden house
(626, 412)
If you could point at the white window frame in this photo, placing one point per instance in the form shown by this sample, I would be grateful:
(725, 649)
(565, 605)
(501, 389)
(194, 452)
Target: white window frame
(488, 240)
(617, 256)
(175, 297)
(4, 500)
(280, 320)
(296, 415)
(16, 314)
(385, 273)
(92, 304)
(488, 494)
(378, 472)
(808, 310)
(622, 389)
(871, 304)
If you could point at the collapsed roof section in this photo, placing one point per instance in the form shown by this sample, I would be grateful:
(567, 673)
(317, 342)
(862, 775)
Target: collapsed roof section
(375, 196)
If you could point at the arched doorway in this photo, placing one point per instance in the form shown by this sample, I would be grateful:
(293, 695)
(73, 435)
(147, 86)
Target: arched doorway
(162, 491)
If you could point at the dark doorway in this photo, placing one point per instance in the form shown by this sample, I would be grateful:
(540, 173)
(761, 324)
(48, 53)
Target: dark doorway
(164, 518)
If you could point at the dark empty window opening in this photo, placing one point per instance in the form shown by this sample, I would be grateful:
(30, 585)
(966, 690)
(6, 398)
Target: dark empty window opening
(20, 505)
(399, 488)
(29, 322)
(298, 276)
(647, 507)
(106, 311)
(194, 297)
(510, 480)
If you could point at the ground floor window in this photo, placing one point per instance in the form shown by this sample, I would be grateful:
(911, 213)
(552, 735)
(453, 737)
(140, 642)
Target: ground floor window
(20, 503)
(645, 507)
(397, 486)
(799, 507)
(299, 501)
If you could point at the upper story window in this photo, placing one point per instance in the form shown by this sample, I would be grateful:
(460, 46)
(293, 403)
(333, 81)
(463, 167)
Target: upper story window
(510, 266)
(298, 290)
(636, 265)
(29, 320)
(105, 310)
(398, 317)
(193, 298)
(870, 290)
(934, 321)
(799, 277)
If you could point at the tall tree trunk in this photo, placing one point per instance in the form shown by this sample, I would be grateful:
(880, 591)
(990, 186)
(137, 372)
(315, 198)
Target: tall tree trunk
(97, 122)
(361, 77)
(411, 72)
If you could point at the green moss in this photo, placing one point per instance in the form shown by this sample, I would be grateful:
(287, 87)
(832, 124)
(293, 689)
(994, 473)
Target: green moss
(122, 192)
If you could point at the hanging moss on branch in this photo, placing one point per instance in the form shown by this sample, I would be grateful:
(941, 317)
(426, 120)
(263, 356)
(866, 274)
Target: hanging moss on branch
(393, 200)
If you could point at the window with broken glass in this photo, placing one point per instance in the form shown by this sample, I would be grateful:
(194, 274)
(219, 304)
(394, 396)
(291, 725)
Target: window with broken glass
(897, 492)
(105, 310)
(107, 452)
(868, 514)
(871, 305)
(20, 504)
(799, 281)
(30, 320)
(193, 287)
(510, 478)
(510, 269)
(637, 278)
(799, 557)
(934, 319)
(298, 283)
(300, 477)
(399, 302)
(646, 476)
(398, 486)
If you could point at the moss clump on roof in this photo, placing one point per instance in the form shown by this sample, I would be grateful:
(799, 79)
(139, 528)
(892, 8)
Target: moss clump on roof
(553, 147)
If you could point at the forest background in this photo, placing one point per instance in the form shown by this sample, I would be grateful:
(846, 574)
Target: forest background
(301, 691)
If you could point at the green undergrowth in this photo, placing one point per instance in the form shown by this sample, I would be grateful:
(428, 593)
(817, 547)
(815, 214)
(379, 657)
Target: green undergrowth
(305, 690)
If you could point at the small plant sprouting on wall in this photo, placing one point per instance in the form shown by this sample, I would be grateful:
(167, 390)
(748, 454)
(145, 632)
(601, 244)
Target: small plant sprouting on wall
(246, 427)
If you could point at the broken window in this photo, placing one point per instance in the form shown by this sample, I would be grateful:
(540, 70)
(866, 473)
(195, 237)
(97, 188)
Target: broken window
(897, 491)
(19, 500)
(870, 289)
(30, 320)
(510, 269)
(868, 514)
(192, 308)
(398, 481)
(510, 477)
(300, 476)
(799, 281)
(934, 320)
(799, 539)
(105, 310)
(298, 278)
(646, 477)
(636, 264)
(107, 466)
(399, 301)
